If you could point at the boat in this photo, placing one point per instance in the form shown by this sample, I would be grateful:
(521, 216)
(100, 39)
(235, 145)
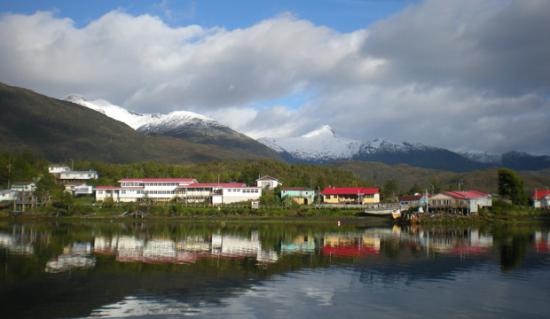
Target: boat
(395, 212)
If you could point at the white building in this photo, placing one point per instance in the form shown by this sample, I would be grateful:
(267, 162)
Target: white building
(218, 193)
(134, 189)
(56, 168)
(78, 177)
(24, 186)
(8, 195)
(541, 198)
(268, 182)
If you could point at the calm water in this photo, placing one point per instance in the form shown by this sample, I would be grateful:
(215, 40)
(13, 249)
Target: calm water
(271, 270)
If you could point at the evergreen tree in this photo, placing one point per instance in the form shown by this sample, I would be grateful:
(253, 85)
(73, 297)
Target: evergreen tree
(510, 186)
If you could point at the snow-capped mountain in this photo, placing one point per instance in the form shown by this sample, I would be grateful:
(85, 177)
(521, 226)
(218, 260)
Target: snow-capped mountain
(318, 145)
(324, 145)
(185, 125)
(138, 120)
(483, 157)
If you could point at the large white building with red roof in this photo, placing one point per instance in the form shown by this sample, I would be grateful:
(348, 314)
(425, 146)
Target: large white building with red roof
(187, 190)
(541, 198)
(351, 195)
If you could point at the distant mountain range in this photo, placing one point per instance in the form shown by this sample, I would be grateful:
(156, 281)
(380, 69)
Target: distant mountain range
(323, 145)
(77, 128)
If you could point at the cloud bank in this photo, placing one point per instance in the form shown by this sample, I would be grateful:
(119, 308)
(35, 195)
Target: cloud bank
(467, 75)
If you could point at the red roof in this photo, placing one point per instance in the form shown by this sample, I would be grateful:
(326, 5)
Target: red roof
(350, 191)
(159, 180)
(222, 185)
(410, 197)
(471, 194)
(540, 193)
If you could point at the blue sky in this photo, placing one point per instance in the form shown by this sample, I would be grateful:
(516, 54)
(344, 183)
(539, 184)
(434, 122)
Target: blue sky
(341, 15)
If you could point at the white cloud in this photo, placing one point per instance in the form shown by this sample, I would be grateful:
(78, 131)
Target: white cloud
(460, 74)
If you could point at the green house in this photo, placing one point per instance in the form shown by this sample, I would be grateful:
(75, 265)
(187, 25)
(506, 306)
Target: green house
(299, 195)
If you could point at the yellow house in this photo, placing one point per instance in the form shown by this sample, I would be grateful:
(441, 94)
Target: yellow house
(351, 195)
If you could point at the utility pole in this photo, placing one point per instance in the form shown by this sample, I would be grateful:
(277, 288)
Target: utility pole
(9, 174)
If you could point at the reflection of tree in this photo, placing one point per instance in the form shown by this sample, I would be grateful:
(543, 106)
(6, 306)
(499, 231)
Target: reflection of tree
(512, 252)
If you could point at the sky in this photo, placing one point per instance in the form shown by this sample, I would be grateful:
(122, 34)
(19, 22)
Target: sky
(469, 75)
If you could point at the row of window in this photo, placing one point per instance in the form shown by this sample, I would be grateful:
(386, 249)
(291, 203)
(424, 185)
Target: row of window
(246, 190)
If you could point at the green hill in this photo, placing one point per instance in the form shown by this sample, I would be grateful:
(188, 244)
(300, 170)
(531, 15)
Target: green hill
(408, 176)
(60, 130)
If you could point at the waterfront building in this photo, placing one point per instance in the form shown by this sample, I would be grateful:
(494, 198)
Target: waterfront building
(467, 201)
(218, 193)
(541, 198)
(413, 200)
(299, 195)
(351, 195)
(58, 168)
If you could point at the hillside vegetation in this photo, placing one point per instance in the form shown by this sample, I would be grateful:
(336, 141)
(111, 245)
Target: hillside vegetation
(60, 131)
(408, 177)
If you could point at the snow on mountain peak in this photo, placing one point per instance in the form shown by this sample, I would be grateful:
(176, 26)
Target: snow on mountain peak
(137, 120)
(323, 131)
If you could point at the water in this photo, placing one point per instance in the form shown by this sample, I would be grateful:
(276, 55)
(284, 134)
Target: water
(224, 269)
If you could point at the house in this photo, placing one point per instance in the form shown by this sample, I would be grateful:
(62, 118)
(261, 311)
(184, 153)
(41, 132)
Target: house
(541, 198)
(268, 182)
(83, 190)
(74, 178)
(413, 200)
(56, 169)
(467, 201)
(351, 195)
(8, 195)
(218, 193)
(299, 195)
(24, 186)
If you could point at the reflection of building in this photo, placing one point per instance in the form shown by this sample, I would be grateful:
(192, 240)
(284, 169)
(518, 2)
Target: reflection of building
(78, 255)
(302, 244)
(351, 245)
(542, 241)
(236, 247)
(16, 244)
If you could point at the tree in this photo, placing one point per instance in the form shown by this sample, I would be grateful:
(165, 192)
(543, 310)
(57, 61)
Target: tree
(390, 190)
(46, 188)
(510, 186)
(415, 189)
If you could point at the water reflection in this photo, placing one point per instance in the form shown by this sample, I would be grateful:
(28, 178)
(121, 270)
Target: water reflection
(199, 268)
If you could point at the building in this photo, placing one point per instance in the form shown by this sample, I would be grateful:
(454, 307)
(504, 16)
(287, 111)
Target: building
(8, 195)
(268, 182)
(135, 189)
(351, 195)
(24, 186)
(56, 169)
(74, 178)
(541, 198)
(83, 190)
(413, 200)
(466, 201)
(299, 195)
(218, 193)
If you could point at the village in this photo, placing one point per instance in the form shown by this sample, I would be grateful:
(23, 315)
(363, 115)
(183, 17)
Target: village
(190, 191)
